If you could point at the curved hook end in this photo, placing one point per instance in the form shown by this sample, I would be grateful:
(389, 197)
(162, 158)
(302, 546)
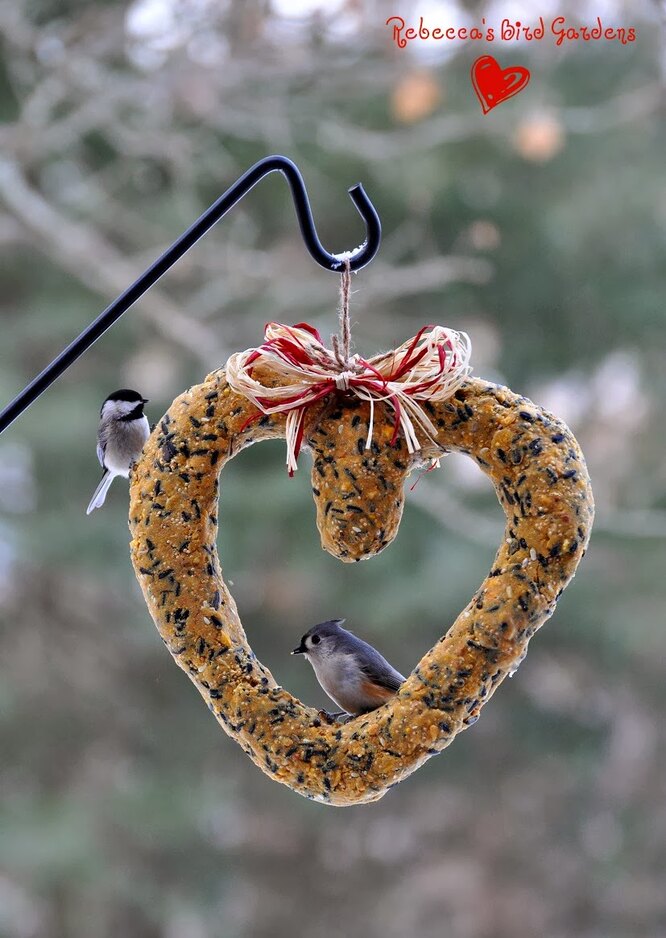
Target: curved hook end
(362, 255)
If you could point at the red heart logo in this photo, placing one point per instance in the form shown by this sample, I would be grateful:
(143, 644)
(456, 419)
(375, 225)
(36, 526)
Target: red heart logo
(494, 84)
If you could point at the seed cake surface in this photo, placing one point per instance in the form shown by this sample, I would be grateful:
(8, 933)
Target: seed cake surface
(540, 478)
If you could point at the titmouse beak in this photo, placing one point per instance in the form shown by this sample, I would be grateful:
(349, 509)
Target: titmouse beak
(299, 651)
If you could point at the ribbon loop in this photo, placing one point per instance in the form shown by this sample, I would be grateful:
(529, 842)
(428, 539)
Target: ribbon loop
(429, 367)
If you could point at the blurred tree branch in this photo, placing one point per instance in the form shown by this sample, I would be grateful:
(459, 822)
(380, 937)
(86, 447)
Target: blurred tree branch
(450, 508)
(83, 252)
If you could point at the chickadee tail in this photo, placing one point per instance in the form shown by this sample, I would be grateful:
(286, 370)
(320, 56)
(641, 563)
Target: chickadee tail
(100, 492)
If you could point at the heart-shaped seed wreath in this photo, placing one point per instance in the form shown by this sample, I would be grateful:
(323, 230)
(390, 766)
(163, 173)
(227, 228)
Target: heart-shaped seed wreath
(540, 478)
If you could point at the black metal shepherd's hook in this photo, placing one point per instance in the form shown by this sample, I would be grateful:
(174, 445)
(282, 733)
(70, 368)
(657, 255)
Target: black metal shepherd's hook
(358, 258)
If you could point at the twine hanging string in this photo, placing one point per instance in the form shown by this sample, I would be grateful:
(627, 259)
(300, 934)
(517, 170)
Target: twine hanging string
(342, 343)
(429, 367)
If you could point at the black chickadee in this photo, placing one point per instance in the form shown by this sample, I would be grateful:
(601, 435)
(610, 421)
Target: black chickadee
(121, 435)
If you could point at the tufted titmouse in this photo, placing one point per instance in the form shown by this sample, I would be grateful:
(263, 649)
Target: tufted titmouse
(123, 430)
(351, 672)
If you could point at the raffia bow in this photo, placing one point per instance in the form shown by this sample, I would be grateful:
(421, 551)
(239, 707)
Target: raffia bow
(429, 367)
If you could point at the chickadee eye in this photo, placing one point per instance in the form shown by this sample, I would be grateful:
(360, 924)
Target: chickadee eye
(315, 639)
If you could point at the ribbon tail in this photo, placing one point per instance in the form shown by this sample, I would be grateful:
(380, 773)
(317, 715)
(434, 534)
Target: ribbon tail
(293, 438)
(409, 431)
(371, 422)
(400, 403)
(420, 417)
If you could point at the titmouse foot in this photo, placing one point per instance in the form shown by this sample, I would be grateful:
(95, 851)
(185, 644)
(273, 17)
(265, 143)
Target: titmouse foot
(340, 716)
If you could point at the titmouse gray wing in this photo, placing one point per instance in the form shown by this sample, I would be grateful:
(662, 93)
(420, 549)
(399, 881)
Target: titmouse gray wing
(377, 667)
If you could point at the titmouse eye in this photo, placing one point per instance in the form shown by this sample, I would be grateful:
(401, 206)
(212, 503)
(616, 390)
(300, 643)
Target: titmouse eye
(315, 639)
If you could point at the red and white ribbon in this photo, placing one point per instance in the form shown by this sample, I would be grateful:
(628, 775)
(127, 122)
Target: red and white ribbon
(429, 367)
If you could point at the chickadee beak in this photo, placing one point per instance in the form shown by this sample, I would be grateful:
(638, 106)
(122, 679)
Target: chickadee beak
(145, 400)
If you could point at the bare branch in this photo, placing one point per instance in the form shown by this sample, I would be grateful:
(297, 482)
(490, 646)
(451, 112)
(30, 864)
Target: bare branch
(81, 250)
(447, 506)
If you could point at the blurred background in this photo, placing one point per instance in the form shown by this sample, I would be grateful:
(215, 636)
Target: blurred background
(540, 229)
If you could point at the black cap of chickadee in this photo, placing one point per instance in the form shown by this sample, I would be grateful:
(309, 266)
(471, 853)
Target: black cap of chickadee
(125, 395)
(353, 673)
(122, 432)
